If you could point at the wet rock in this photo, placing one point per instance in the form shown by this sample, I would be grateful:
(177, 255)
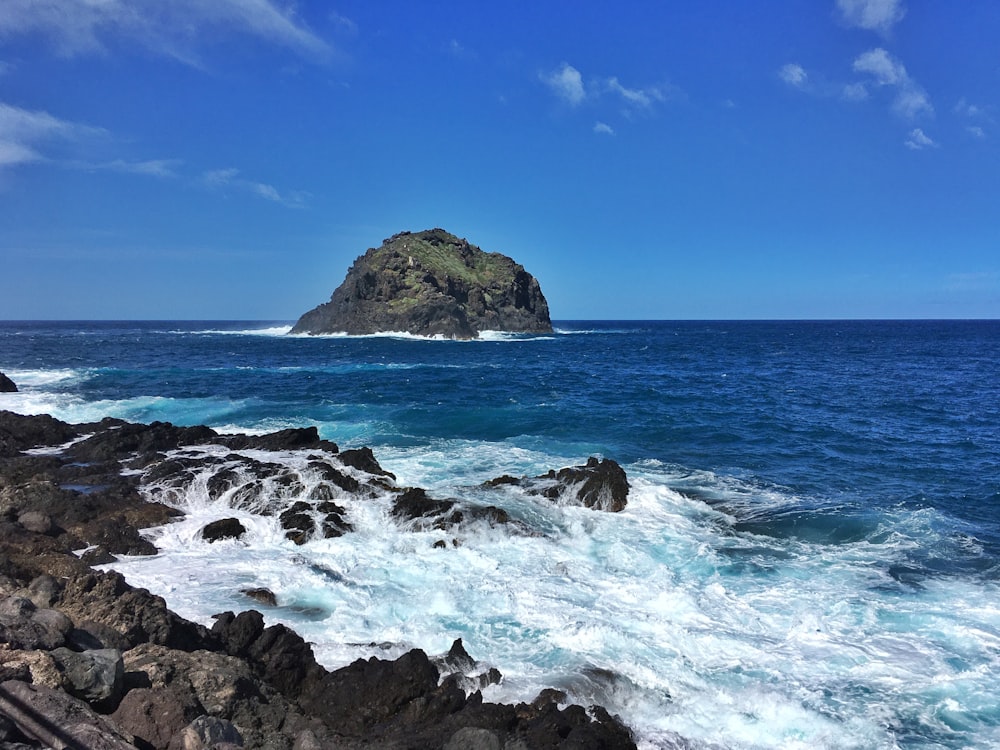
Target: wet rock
(364, 459)
(262, 595)
(295, 438)
(225, 528)
(97, 677)
(19, 433)
(298, 522)
(600, 484)
(58, 720)
(118, 537)
(414, 503)
(6, 384)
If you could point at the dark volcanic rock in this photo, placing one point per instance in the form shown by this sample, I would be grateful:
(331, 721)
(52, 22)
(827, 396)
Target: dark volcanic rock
(432, 283)
(224, 528)
(58, 720)
(6, 384)
(599, 484)
(63, 625)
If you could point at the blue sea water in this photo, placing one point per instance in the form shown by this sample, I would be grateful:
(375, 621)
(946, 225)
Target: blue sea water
(809, 556)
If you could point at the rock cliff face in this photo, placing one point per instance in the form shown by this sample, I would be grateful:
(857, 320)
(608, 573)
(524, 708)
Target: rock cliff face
(432, 283)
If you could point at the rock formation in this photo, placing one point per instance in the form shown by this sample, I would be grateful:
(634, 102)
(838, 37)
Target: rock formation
(6, 384)
(431, 283)
(87, 661)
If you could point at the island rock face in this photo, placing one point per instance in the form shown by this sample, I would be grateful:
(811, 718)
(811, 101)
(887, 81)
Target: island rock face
(432, 283)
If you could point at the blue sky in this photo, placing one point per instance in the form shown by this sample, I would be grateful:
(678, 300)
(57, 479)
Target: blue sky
(675, 160)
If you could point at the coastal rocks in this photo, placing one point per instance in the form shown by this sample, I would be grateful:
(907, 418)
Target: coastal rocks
(6, 384)
(431, 283)
(76, 643)
(56, 719)
(600, 484)
(224, 528)
(25, 626)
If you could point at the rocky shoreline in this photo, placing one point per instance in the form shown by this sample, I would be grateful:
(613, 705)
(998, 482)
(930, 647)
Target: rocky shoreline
(87, 661)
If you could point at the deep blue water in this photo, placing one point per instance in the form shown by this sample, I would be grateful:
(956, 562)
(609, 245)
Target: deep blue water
(849, 469)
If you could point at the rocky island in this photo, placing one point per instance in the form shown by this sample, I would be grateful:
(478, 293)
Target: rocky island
(431, 283)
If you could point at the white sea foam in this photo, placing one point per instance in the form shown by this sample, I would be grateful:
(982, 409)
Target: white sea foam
(660, 612)
(281, 330)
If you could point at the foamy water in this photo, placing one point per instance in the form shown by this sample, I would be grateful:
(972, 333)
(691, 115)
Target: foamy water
(808, 558)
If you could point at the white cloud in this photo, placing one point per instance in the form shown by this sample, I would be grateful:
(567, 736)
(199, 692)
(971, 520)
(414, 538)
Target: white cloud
(883, 67)
(637, 97)
(23, 132)
(173, 29)
(603, 128)
(918, 140)
(566, 83)
(911, 100)
(854, 92)
(794, 75)
(975, 131)
(220, 179)
(151, 168)
(874, 15)
(967, 110)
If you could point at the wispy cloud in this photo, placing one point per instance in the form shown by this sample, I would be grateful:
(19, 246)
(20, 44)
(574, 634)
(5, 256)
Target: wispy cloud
(602, 128)
(885, 70)
(874, 15)
(794, 75)
(174, 29)
(976, 131)
(918, 140)
(230, 178)
(566, 83)
(23, 134)
(642, 98)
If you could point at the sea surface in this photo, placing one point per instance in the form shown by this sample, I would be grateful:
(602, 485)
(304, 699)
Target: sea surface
(808, 558)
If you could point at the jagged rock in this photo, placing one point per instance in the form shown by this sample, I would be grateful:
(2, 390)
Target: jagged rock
(25, 626)
(364, 459)
(58, 720)
(225, 528)
(97, 677)
(7, 385)
(414, 503)
(432, 283)
(600, 484)
(136, 614)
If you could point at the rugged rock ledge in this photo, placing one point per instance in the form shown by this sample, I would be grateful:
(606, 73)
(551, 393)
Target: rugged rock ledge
(432, 283)
(6, 384)
(87, 661)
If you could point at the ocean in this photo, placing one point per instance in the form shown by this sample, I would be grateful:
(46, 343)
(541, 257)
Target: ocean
(808, 558)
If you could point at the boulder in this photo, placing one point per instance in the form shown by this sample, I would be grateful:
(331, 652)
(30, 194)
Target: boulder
(431, 283)
(96, 676)
(225, 528)
(6, 384)
(207, 732)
